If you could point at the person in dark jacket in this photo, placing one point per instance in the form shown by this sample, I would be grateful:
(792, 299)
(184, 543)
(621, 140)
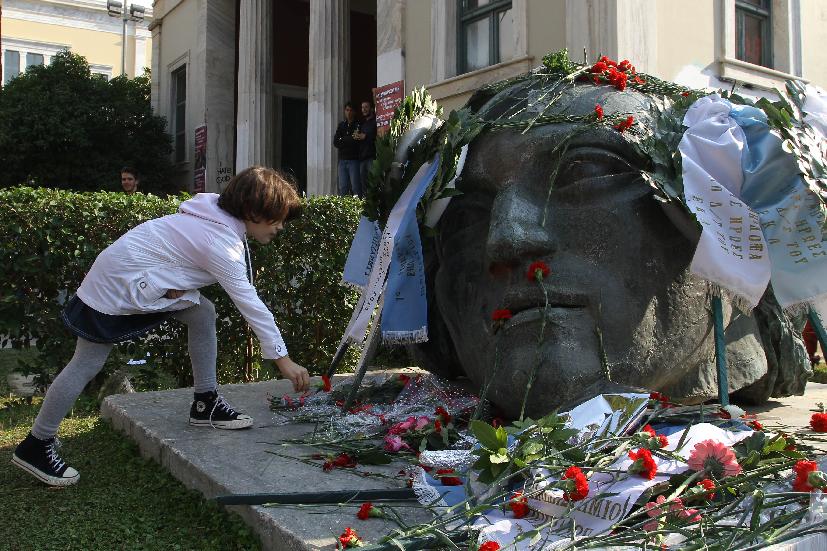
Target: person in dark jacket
(367, 141)
(349, 181)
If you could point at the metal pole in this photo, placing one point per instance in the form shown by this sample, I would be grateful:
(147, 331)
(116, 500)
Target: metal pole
(720, 351)
(815, 321)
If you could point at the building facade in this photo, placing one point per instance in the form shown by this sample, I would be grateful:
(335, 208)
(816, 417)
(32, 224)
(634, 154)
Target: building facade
(32, 31)
(264, 82)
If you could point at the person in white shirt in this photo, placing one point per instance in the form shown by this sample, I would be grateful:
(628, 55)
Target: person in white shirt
(153, 273)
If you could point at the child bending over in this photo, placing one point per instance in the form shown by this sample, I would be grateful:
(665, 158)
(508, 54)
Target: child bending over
(153, 273)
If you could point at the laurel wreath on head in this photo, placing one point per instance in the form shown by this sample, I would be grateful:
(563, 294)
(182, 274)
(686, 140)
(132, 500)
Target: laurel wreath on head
(657, 142)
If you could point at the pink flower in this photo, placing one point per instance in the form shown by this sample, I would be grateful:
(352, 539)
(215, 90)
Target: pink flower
(714, 458)
(394, 443)
(674, 511)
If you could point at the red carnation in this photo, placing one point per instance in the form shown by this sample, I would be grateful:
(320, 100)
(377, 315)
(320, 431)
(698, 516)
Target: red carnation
(756, 425)
(342, 461)
(364, 511)
(599, 67)
(490, 546)
(437, 426)
(538, 271)
(326, 386)
(819, 422)
(501, 315)
(350, 538)
(518, 505)
(578, 488)
(662, 398)
(649, 430)
(643, 464)
(599, 110)
(802, 473)
(443, 413)
(448, 480)
(625, 125)
(708, 485)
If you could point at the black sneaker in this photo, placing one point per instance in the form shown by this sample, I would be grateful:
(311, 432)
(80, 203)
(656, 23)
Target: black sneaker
(40, 459)
(211, 410)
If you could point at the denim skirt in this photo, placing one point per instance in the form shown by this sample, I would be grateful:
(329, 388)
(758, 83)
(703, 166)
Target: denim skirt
(94, 326)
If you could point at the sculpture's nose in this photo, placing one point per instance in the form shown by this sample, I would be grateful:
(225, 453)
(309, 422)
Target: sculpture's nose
(516, 233)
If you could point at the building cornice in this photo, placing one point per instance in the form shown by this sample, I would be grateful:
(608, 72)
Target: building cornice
(79, 14)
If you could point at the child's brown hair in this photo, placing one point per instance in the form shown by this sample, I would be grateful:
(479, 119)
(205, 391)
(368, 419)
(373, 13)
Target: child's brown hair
(261, 194)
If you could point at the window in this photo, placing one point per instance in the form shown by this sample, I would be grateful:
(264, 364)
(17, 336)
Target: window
(11, 65)
(486, 34)
(179, 112)
(753, 26)
(33, 59)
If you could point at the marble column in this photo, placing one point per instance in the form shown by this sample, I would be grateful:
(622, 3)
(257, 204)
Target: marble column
(254, 117)
(390, 40)
(328, 86)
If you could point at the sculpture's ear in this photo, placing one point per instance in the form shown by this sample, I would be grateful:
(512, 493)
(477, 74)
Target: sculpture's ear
(438, 355)
(682, 220)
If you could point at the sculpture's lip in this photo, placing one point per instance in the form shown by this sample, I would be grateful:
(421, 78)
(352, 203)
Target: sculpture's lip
(518, 300)
(554, 314)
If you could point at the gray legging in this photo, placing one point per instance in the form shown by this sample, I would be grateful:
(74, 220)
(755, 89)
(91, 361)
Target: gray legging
(90, 356)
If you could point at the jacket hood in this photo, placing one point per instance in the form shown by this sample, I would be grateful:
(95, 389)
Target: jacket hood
(205, 205)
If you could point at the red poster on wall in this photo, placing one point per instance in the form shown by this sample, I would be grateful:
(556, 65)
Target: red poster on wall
(200, 164)
(387, 98)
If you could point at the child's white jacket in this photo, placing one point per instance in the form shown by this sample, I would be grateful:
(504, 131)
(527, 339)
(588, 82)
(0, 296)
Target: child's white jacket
(200, 245)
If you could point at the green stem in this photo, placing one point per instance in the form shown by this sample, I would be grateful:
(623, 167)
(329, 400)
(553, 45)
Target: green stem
(493, 377)
(536, 366)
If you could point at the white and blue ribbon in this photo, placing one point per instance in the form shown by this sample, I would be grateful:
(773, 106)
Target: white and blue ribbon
(362, 254)
(398, 264)
(760, 222)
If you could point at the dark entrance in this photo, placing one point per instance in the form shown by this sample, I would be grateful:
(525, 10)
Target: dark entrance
(294, 139)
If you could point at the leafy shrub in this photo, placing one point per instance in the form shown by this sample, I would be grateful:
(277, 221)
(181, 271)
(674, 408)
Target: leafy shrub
(61, 126)
(49, 238)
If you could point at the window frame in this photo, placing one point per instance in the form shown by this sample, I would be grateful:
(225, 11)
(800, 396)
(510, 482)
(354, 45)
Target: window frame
(176, 101)
(466, 16)
(7, 66)
(763, 12)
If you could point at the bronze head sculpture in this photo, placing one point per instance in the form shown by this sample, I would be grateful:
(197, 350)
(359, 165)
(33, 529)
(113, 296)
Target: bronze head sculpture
(622, 305)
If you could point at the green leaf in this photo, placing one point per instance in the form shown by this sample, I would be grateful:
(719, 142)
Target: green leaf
(486, 434)
(501, 456)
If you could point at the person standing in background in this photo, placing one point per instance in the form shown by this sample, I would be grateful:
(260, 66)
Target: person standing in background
(367, 142)
(344, 140)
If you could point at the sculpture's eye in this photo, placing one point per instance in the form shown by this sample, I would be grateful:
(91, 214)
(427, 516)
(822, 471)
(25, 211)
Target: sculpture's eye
(589, 164)
(467, 213)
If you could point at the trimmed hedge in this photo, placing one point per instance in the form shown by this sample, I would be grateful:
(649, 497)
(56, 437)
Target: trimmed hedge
(49, 238)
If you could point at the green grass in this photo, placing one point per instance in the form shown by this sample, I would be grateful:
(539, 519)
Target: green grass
(122, 501)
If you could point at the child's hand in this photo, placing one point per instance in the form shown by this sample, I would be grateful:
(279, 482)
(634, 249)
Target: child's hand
(174, 293)
(296, 373)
